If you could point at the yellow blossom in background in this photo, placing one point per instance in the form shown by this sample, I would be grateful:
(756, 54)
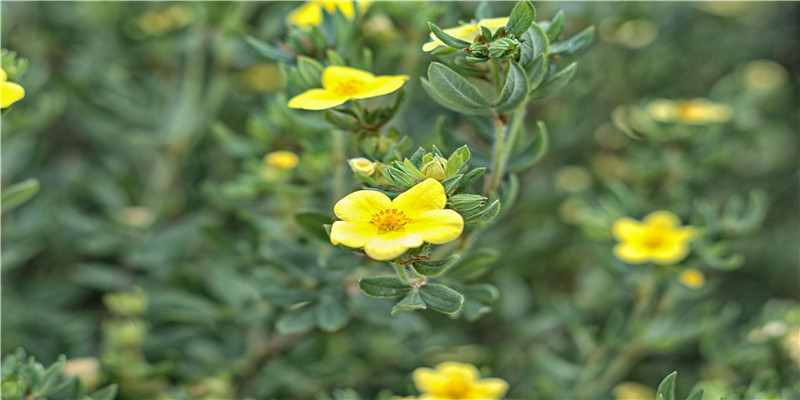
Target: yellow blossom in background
(310, 13)
(87, 369)
(263, 77)
(10, 92)
(453, 380)
(692, 278)
(281, 159)
(159, 22)
(697, 111)
(633, 391)
(792, 345)
(467, 32)
(765, 75)
(139, 217)
(659, 238)
(362, 165)
(388, 228)
(343, 83)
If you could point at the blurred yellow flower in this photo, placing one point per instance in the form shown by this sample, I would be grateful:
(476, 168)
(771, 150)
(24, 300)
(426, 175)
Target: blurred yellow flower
(453, 380)
(467, 32)
(362, 165)
(633, 391)
(387, 228)
(692, 278)
(343, 83)
(281, 159)
(659, 238)
(697, 111)
(310, 13)
(87, 369)
(159, 22)
(765, 75)
(263, 77)
(10, 92)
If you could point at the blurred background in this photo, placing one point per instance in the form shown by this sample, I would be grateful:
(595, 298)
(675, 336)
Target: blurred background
(146, 124)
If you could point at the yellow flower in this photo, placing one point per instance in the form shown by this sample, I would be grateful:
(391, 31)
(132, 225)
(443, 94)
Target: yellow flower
(87, 369)
(697, 111)
(10, 92)
(658, 238)
(363, 165)
(692, 278)
(281, 159)
(467, 32)
(387, 228)
(452, 381)
(633, 391)
(342, 83)
(310, 13)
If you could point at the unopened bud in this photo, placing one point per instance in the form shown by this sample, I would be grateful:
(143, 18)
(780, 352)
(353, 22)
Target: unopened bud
(362, 165)
(466, 202)
(435, 168)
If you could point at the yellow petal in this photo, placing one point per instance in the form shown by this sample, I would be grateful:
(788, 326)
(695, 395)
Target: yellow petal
(626, 229)
(490, 388)
(429, 381)
(333, 75)
(391, 245)
(437, 226)
(463, 32)
(306, 15)
(424, 196)
(316, 99)
(350, 234)
(457, 370)
(667, 255)
(3, 76)
(10, 93)
(381, 85)
(631, 253)
(428, 46)
(662, 219)
(359, 206)
(493, 23)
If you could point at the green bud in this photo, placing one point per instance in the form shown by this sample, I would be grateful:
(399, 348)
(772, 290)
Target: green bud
(435, 168)
(400, 175)
(466, 202)
(478, 50)
(13, 386)
(124, 333)
(127, 304)
(503, 48)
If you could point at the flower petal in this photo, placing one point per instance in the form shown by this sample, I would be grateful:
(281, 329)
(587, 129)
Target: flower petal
(493, 23)
(424, 196)
(437, 226)
(662, 219)
(359, 206)
(350, 234)
(316, 99)
(3, 76)
(306, 15)
(457, 370)
(381, 85)
(391, 245)
(333, 75)
(10, 93)
(489, 388)
(428, 381)
(672, 254)
(631, 253)
(626, 229)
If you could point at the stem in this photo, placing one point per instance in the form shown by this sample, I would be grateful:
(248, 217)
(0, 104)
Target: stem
(513, 131)
(401, 270)
(338, 159)
(497, 158)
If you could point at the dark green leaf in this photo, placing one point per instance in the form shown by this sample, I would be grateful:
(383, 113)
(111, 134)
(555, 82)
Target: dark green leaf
(483, 11)
(556, 24)
(297, 320)
(269, 51)
(447, 39)
(698, 395)
(666, 388)
(556, 82)
(18, 193)
(515, 90)
(447, 104)
(533, 152)
(311, 221)
(469, 178)
(537, 71)
(455, 88)
(106, 393)
(521, 17)
(434, 268)
(383, 286)
(341, 120)
(331, 314)
(574, 44)
(412, 301)
(441, 298)
(535, 45)
(486, 215)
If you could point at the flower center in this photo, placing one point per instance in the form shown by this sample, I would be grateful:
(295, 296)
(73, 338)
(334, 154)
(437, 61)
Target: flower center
(457, 389)
(653, 242)
(691, 111)
(389, 220)
(348, 87)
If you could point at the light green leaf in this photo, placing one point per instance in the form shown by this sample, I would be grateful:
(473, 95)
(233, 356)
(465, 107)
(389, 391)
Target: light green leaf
(666, 389)
(556, 82)
(535, 45)
(537, 71)
(522, 15)
(457, 159)
(447, 104)
(533, 152)
(574, 44)
(486, 215)
(18, 193)
(269, 51)
(698, 395)
(555, 26)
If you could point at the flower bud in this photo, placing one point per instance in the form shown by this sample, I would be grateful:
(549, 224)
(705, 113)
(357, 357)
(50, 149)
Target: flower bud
(281, 160)
(503, 48)
(127, 304)
(129, 333)
(479, 50)
(466, 202)
(435, 168)
(362, 165)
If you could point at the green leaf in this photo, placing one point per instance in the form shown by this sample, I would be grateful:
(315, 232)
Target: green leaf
(18, 193)
(469, 178)
(556, 82)
(515, 90)
(434, 268)
(455, 88)
(521, 17)
(412, 301)
(441, 298)
(533, 152)
(311, 221)
(535, 45)
(666, 389)
(310, 70)
(269, 51)
(457, 159)
(297, 320)
(341, 120)
(574, 44)
(537, 70)
(447, 104)
(483, 11)
(383, 286)
(488, 213)
(698, 395)
(556, 25)
(106, 393)
(447, 39)
(331, 314)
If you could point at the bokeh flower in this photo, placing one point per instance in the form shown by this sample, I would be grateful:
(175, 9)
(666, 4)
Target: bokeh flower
(388, 228)
(696, 112)
(281, 159)
(362, 165)
(10, 92)
(466, 32)
(453, 380)
(343, 83)
(692, 278)
(87, 369)
(659, 238)
(310, 13)
(633, 391)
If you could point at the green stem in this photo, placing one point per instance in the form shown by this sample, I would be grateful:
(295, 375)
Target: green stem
(513, 132)
(497, 158)
(401, 270)
(338, 159)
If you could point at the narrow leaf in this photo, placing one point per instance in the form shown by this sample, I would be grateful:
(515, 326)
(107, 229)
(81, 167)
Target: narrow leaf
(469, 110)
(533, 152)
(434, 268)
(574, 44)
(447, 39)
(383, 286)
(268, 50)
(515, 90)
(666, 389)
(488, 213)
(18, 193)
(556, 82)
(441, 298)
(556, 24)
